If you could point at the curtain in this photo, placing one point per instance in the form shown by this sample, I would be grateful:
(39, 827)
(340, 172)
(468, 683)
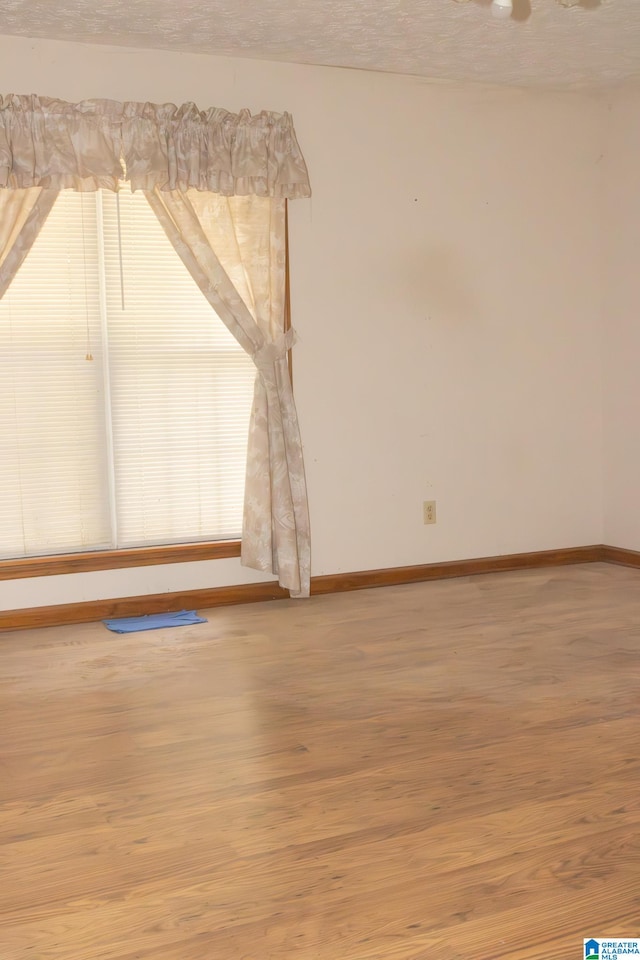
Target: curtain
(218, 183)
(22, 215)
(51, 143)
(234, 248)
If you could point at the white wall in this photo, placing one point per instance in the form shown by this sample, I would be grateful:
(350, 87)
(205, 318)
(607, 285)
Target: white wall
(621, 324)
(446, 287)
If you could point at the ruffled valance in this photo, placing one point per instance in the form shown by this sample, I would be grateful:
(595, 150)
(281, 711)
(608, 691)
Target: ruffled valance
(57, 145)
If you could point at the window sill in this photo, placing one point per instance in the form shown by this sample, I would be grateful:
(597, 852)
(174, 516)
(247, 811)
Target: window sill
(115, 559)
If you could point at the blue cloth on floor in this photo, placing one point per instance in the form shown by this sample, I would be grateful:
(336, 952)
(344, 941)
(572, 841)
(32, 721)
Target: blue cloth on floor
(154, 621)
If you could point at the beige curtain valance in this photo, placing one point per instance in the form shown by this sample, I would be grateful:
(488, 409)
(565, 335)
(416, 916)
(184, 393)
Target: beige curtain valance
(58, 145)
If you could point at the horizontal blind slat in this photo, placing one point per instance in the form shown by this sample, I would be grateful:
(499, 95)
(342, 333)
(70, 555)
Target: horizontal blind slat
(181, 391)
(52, 442)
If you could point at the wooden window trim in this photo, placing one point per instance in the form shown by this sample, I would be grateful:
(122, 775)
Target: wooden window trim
(116, 559)
(287, 287)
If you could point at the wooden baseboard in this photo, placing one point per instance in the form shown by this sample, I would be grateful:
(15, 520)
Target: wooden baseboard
(336, 583)
(625, 558)
(92, 610)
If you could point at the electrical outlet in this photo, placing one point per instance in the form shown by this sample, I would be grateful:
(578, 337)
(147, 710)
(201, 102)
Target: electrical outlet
(429, 511)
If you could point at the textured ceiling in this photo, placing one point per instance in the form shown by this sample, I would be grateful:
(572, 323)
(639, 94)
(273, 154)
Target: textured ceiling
(430, 38)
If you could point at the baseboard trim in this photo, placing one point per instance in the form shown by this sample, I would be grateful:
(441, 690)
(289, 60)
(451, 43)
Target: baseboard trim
(92, 610)
(621, 556)
(337, 583)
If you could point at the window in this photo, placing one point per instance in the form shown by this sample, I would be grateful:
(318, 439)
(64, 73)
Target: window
(124, 400)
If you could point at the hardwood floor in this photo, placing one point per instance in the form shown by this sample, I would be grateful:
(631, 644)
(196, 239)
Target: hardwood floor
(445, 770)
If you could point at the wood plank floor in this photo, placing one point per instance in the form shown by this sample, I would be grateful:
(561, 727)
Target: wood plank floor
(446, 770)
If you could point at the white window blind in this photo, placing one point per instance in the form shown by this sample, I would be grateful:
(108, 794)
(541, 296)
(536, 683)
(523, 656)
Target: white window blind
(145, 443)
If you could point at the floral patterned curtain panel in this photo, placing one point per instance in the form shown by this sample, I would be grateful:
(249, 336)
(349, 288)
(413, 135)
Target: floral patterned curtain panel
(234, 248)
(218, 183)
(22, 214)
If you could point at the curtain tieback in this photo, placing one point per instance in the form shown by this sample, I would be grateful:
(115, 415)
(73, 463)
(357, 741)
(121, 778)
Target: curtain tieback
(273, 350)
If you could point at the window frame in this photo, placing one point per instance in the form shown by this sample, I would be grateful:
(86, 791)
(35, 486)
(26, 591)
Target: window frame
(92, 560)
